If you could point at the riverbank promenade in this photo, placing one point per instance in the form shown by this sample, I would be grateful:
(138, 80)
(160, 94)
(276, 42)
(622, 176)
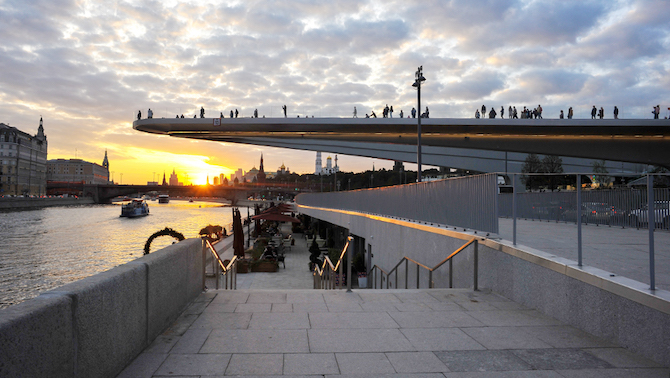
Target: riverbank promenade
(266, 328)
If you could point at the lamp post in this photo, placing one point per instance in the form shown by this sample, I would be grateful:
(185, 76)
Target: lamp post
(417, 84)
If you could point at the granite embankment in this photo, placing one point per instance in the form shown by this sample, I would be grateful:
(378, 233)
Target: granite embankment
(23, 203)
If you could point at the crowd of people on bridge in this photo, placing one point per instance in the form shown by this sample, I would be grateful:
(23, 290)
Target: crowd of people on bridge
(387, 112)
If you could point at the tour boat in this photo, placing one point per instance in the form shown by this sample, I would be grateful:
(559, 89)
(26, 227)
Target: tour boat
(163, 198)
(135, 208)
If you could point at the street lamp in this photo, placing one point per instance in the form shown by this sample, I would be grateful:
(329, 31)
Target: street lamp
(417, 84)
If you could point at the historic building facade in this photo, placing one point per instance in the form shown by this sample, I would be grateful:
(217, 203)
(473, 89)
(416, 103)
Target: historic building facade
(23, 161)
(78, 170)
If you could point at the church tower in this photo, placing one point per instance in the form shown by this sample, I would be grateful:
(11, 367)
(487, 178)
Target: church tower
(260, 176)
(164, 182)
(318, 168)
(40, 132)
(105, 162)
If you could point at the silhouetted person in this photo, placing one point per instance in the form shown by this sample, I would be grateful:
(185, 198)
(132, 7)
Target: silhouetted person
(601, 113)
(373, 114)
(182, 116)
(284, 109)
(413, 113)
(492, 113)
(231, 114)
(236, 113)
(593, 112)
(221, 115)
(355, 112)
(616, 112)
(177, 116)
(483, 111)
(477, 113)
(502, 112)
(561, 116)
(570, 113)
(202, 112)
(401, 115)
(539, 111)
(391, 112)
(427, 113)
(150, 114)
(510, 113)
(255, 113)
(139, 114)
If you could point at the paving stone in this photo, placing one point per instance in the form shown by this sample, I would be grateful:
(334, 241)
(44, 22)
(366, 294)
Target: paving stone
(302, 297)
(616, 373)
(376, 296)
(225, 307)
(181, 325)
(404, 375)
(505, 338)
(310, 307)
(196, 307)
(567, 337)
(378, 307)
(434, 319)
(223, 320)
(310, 364)
(444, 306)
(505, 374)
(622, 358)
(282, 307)
(194, 364)
(267, 297)
(256, 341)
(254, 307)
(498, 318)
(162, 344)
(364, 363)
(143, 366)
(482, 360)
(344, 307)
(560, 359)
(357, 340)
(230, 296)
(416, 362)
(321, 320)
(413, 307)
(279, 320)
(440, 339)
(338, 296)
(415, 297)
(255, 364)
(191, 341)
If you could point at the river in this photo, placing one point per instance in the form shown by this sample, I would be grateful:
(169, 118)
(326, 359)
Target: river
(46, 248)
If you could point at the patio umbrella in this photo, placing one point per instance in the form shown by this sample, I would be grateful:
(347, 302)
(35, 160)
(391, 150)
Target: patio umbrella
(238, 234)
(275, 216)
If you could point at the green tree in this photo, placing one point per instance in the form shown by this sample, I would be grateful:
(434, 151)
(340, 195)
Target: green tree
(600, 171)
(553, 164)
(532, 164)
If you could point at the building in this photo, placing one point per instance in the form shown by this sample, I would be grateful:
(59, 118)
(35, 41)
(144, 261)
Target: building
(77, 170)
(23, 161)
(328, 169)
(260, 176)
(283, 170)
(174, 180)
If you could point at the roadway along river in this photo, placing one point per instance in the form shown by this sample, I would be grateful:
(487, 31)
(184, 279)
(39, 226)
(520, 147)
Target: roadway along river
(46, 248)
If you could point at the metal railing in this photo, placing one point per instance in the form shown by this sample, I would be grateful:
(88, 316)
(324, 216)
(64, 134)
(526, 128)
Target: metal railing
(330, 276)
(226, 271)
(386, 276)
(431, 201)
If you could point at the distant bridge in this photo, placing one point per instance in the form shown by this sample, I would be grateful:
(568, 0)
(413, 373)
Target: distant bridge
(105, 193)
(477, 144)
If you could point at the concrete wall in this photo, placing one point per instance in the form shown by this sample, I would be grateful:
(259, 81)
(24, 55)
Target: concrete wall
(617, 309)
(18, 203)
(96, 326)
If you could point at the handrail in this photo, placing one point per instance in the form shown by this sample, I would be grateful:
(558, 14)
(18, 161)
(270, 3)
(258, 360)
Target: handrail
(228, 272)
(384, 276)
(325, 276)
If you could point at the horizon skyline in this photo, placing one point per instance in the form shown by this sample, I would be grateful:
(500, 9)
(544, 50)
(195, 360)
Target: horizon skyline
(88, 67)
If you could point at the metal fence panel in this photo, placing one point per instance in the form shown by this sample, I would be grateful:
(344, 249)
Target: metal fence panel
(467, 202)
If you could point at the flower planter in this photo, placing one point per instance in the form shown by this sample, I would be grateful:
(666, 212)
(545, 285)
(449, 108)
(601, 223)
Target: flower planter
(362, 282)
(264, 266)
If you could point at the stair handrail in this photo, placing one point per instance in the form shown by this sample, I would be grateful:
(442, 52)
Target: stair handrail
(324, 276)
(228, 272)
(384, 276)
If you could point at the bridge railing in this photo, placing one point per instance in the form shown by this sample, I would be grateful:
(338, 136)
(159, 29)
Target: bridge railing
(465, 202)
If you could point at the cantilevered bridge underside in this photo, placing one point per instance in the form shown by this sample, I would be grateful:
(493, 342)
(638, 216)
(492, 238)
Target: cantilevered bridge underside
(489, 145)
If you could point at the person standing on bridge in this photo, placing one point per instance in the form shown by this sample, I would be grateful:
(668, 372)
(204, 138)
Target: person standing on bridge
(150, 114)
(483, 110)
(401, 115)
(284, 109)
(593, 112)
(221, 115)
(373, 114)
(182, 116)
(561, 116)
(510, 113)
(492, 113)
(391, 112)
(616, 112)
(236, 113)
(516, 115)
(502, 112)
(202, 112)
(355, 112)
(231, 114)
(427, 113)
(477, 113)
(570, 113)
(601, 113)
(139, 114)
(413, 112)
(255, 113)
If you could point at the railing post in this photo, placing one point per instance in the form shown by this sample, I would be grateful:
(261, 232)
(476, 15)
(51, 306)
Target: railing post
(430, 279)
(579, 220)
(651, 224)
(451, 274)
(418, 273)
(476, 265)
(513, 210)
(204, 262)
(351, 246)
(406, 273)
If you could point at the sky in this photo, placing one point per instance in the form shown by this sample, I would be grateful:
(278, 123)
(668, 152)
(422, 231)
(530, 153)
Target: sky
(88, 66)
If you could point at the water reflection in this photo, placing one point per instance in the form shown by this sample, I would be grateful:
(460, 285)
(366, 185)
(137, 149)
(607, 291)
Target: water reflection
(46, 248)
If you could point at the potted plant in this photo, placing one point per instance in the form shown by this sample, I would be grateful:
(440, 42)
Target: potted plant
(359, 265)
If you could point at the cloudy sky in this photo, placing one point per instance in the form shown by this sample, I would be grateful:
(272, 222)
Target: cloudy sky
(88, 66)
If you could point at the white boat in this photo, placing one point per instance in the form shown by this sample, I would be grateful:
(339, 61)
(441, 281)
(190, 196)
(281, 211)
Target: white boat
(135, 208)
(163, 198)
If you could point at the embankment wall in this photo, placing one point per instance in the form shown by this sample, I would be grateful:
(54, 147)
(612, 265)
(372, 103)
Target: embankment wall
(96, 326)
(18, 203)
(617, 309)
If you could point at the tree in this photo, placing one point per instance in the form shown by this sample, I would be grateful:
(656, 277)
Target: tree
(532, 164)
(552, 164)
(599, 171)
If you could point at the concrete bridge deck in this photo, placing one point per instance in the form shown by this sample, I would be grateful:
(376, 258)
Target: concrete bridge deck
(267, 329)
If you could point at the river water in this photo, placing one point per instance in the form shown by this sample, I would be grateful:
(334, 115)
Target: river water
(46, 248)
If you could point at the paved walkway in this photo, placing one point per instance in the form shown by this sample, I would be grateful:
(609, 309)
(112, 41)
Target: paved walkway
(623, 251)
(395, 333)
